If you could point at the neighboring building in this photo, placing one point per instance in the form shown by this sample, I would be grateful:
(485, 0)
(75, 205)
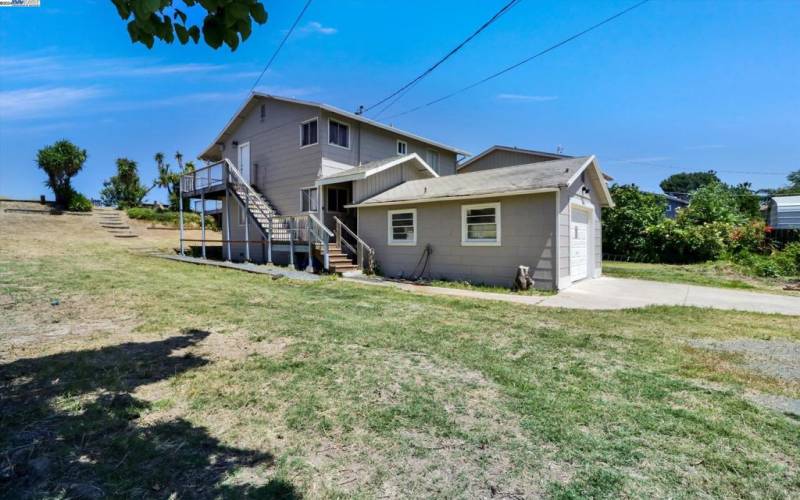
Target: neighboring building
(673, 205)
(784, 212)
(505, 156)
(305, 180)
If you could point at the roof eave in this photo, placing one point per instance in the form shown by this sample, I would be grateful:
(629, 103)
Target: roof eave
(495, 194)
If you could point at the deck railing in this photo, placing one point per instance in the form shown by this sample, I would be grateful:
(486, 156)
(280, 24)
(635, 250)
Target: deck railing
(351, 243)
(203, 178)
(303, 229)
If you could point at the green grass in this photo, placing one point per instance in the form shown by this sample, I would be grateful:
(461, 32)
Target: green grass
(719, 274)
(229, 384)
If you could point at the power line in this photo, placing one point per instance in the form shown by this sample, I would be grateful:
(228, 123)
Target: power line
(524, 61)
(447, 56)
(280, 46)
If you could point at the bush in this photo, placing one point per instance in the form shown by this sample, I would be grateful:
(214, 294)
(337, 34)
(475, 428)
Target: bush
(625, 226)
(788, 260)
(674, 242)
(749, 237)
(170, 218)
(79, 203)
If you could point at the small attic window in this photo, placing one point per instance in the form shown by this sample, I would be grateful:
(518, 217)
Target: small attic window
(263, 112)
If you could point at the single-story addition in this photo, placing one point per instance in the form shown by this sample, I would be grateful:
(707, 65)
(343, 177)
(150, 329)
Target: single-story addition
(480, 226)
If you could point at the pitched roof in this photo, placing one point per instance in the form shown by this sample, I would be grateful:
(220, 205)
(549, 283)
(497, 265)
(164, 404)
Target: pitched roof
(786, 201)
(520, 179)
(371, 168)
(244, 109)
(511, 149)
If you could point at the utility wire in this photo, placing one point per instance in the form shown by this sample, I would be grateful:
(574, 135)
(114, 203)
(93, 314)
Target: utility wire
(447, 56)
(524, 61)
(280, 46)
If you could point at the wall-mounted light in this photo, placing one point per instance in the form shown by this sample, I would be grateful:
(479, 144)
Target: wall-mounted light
(235, 143)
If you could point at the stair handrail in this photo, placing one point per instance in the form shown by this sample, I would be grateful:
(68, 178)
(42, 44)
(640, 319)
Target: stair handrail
(322, 235)
(363, 251)
(240, 181)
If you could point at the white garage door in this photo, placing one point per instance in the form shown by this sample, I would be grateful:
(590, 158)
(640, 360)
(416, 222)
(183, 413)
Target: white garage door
(579, 244)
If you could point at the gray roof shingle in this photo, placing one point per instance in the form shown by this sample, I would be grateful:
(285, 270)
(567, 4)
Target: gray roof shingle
(507, 180)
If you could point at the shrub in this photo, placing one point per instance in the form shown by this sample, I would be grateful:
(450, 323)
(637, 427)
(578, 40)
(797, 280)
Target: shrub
(625, 226)
(674, 242)
(170, 218)
(79, 203)
(749, 237)
(712, 203)
(788, 260)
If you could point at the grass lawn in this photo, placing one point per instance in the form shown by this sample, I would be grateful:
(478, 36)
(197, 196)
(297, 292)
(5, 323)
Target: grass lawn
(719, 274)
(153, 377)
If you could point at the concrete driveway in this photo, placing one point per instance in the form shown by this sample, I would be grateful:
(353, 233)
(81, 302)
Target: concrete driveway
(620, 293)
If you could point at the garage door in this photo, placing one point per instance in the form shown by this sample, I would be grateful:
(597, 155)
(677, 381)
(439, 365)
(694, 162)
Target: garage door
(579, 244)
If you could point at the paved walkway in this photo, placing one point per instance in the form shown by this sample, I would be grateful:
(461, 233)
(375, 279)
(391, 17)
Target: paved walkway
(619, 293)
(244, 266)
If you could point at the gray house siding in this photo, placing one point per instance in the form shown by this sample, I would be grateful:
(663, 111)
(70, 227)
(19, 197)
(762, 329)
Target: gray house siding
(574, 196)
(279, 167)
(502, 158)
(368, 143)
(528, 238)
(382, 181)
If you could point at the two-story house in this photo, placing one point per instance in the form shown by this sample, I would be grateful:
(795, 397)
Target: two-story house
(310, 184)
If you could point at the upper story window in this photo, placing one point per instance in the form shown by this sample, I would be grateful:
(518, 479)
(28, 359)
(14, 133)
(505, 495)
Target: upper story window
(432, 157)
(402, 148)
(402, 227)
(480, 224)
(309, 200)
(338, 134)
(308, 133)
(263, 112)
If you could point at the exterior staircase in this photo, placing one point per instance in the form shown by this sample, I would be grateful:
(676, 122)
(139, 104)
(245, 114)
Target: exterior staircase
(340, 262)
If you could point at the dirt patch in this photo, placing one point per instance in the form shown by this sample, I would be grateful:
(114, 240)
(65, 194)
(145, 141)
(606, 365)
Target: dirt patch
(779, 359)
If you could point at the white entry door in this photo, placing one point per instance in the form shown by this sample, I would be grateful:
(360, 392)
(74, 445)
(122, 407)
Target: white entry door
(244, 160)
(579, 244)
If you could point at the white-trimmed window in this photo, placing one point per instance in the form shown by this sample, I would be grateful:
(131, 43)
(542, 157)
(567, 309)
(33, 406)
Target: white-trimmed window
(402, 227)
(308, 133)
(309, 200)
(242, 217)
(432, 157)
(338, 134)
(402, 148)
(480, 224)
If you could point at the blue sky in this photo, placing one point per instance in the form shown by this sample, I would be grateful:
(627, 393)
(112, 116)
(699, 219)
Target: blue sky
(674, 85)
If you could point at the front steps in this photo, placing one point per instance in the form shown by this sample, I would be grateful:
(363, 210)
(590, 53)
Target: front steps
(112, 221)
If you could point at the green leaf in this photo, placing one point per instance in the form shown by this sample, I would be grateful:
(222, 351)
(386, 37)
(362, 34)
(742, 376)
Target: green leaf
(258, 12)
(133, 31)
(179, 13)
(232, 39)
(243, 26)
(150, 6)
(122, 8)
(194, 32)
(182, 33)
(169, 34)
(213, 32)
